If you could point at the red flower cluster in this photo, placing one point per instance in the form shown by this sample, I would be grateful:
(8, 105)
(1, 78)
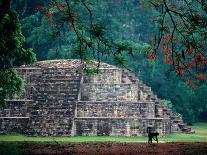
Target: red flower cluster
(190, 51)
(190, 83)
(48, 15)
(60, 7)
(180, 72)
(198, 57)
(188, 67)
(151, 56)
(200, 77)
(167, 38)
(167, 59)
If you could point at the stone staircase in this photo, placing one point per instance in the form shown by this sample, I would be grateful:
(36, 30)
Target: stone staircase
(175, 119)
(56, 96)
(66, 83)
(128, 77)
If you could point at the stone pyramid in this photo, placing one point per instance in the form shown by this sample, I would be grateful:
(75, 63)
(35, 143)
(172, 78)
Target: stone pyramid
(60, 100)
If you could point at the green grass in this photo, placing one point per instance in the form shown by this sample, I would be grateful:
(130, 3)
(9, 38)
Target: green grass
(79, 139)
(200, 128)
(200, 135)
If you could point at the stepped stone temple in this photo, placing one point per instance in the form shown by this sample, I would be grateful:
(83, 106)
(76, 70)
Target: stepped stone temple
(61, 100)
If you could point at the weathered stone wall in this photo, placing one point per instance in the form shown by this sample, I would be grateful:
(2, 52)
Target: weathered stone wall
(14, 125)
(18, 108)
(116, 109)
(121, 109)
(54, 96)
(60, 100)
(124, 107)
(109, 92)
(52, 92)
(120, 127)
(14, 118)
(108, 86)
(112, 75)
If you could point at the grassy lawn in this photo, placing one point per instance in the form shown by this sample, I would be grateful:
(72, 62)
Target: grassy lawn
(200, 135)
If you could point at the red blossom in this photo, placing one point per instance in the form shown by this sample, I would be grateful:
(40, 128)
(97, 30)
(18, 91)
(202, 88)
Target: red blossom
(175, 40)
(167, 58)
(190, 83)
(166, 54)
(61, 7)
(198, 57)
(196, 76)
(161, 44)
(190, 51)
(180, 64)
(180, 72)
(167, 38)
(200, 77)
(200, 64)
(203, 79)
(188, 67)
(167, 49)
(151, 56)
(48, 15)
(192, 62)
(193, 85)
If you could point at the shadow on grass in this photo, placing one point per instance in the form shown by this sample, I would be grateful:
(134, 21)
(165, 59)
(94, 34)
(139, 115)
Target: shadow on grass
(8, 148)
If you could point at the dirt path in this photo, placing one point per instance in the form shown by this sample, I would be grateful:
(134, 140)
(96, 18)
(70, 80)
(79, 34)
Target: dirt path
(118, 149)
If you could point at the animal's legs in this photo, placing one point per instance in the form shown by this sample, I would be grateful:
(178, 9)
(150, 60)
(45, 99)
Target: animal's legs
(156, 139)
(150, 140)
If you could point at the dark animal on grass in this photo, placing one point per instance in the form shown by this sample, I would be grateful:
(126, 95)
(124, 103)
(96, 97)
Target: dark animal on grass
(152, 135)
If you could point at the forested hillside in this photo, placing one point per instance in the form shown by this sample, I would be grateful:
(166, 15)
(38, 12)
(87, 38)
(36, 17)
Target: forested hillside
(125, 20)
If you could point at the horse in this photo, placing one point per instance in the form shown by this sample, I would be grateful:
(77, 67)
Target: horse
(152, 135)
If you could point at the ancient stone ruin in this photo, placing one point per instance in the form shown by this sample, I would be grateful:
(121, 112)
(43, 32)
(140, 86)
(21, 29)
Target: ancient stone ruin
(60, 100)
